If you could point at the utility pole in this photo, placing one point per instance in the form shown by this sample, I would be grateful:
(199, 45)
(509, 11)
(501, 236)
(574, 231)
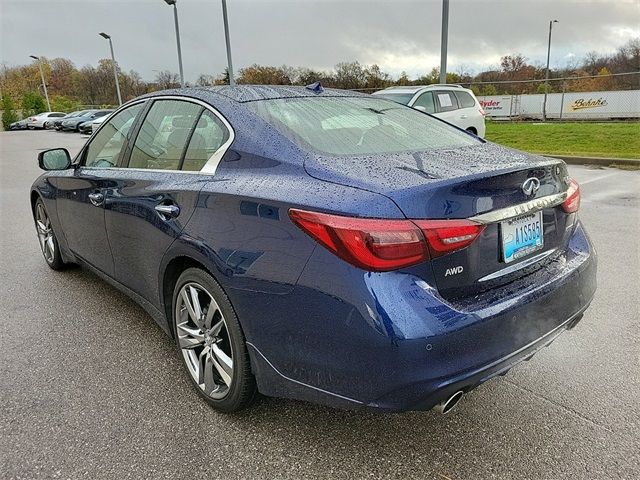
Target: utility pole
(546, 76)
(44, 84)
(115, 66)
(443, 41)
(232, 81)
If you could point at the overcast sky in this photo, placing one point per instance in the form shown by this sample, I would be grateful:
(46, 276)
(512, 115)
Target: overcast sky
(396, 34)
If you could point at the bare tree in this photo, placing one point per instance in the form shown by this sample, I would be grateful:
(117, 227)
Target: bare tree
(167, 79)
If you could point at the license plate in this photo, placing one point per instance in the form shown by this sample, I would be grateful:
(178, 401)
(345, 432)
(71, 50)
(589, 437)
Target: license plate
(521, 236)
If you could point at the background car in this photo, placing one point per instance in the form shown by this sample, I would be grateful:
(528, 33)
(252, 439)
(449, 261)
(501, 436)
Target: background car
(452, 103)
(57, 124)
(73, 124)
(50, 123)
(37, 121)
(19, 125)
(88, 126)
(322, 245)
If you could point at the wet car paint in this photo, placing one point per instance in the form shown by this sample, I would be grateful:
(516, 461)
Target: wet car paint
(318, 328)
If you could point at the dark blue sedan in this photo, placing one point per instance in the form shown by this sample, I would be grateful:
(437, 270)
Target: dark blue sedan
(321, 244)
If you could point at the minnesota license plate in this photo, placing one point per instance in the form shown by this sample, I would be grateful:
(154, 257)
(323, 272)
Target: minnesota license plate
(521, 236)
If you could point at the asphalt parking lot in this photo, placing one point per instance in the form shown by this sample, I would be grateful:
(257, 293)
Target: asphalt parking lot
(92, 388)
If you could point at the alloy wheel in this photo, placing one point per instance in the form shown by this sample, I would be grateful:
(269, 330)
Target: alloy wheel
(45, 234)
(204, 340)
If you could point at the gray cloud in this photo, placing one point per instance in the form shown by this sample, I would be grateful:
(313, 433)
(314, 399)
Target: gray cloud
(398, 35)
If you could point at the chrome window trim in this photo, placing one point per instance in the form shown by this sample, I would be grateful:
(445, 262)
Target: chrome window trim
(79, 158)
(520, 209)
(210, 166)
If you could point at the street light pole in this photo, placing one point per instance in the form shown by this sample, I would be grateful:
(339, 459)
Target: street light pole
(115, 67)
(443, 41)
(175, 18)
(44, 84)
(232, 81)
(546, 76)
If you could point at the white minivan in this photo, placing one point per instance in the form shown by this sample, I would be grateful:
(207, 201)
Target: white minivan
(452, 103)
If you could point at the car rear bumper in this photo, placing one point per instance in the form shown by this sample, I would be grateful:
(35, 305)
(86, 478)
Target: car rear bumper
(392, 343)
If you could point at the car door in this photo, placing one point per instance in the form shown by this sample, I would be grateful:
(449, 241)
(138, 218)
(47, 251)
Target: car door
(469, 113)
(81, 191)
(447, 106)
(425, 103)
(154, 194)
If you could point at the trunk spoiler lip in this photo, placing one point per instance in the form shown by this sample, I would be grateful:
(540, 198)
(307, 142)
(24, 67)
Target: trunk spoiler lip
(520, 209)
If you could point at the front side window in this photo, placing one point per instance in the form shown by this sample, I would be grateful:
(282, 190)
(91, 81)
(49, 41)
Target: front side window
(357, 125)
(446, 101)
(426, 102)
(210, 134)
(105, 147)
(163, 136)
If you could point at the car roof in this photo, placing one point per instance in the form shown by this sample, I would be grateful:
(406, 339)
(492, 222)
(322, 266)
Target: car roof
(252, 93)
(418, 88)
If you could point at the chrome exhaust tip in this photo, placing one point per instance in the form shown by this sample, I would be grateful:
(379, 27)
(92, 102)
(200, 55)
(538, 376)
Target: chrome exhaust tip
(447, 405)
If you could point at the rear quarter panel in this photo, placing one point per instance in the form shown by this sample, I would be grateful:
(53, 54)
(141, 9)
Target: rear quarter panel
(240, 229)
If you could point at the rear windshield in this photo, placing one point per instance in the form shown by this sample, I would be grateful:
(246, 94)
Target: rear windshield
(358, 125)
(403, 98)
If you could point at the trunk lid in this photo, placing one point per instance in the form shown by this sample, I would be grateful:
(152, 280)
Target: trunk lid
(484, 181)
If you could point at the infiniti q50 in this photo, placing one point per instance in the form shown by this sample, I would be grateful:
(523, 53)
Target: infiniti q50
(320, 244)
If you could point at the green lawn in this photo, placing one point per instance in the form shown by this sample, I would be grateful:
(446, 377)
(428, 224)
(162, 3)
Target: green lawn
(614, 139)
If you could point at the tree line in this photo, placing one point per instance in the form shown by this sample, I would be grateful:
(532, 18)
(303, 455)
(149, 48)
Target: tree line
(70, 87)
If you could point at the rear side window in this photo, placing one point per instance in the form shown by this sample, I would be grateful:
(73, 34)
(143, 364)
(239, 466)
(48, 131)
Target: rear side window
(465, 100)
(426, 101)
(164, 135)
(357, 125)
(209, 135)
(446, 101)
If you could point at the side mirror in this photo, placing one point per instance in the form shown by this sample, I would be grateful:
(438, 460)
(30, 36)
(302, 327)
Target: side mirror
(54, 159)
(421, 108)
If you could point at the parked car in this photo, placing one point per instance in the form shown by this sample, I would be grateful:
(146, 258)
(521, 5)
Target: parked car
(37, 121)
(452, 103)
(73, 124)
(322, 245)
(88, 126)
(57, 124)
(50, 124)
(19, 125)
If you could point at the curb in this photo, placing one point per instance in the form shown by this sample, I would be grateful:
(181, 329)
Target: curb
(603, 162)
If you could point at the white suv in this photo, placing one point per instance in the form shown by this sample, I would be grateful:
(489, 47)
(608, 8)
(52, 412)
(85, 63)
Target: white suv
(452, 103)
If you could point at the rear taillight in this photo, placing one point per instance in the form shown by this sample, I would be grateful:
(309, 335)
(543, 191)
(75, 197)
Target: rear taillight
(371, 244)
(383, 245)
(482, 112)
(572, 203)
(447, 236)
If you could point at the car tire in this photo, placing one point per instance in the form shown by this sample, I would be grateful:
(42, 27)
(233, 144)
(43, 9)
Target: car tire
(46, 237)
(211, 342)
(472, 130)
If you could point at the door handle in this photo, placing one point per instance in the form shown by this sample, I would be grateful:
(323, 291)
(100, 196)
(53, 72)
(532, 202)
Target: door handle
(463, 116)
(96, 198)
(167, 211)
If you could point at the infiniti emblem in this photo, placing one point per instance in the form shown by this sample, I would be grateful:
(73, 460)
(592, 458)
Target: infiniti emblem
(530, 186)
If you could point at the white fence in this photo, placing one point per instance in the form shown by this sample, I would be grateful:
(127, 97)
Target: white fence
(576, 106)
